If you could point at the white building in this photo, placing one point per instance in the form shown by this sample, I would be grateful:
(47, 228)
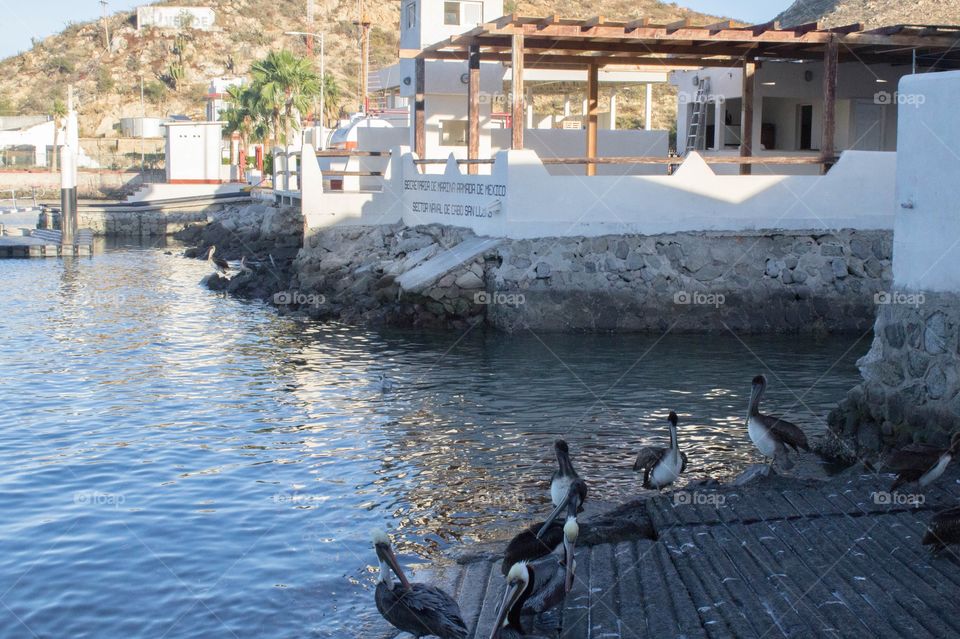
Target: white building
(425, 22)
(194, 151)
(788, 108)
(217, 97)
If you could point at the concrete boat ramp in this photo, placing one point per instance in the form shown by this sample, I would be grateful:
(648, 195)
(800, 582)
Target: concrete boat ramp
(777, 558)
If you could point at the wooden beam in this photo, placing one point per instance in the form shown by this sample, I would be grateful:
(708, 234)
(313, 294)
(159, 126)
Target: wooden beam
(807, 27)
(590, 23)
(828, 143)
(546, 22)
(593, 95)
(856, 27)
(746, 119)
(719, 26)
(517, 116)
(758, 29)
(639, 23)
(679, 24)
(473, 107)
(419, 111)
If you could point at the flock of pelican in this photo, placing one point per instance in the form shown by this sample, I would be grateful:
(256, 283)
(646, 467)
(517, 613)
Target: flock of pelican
(539, 564)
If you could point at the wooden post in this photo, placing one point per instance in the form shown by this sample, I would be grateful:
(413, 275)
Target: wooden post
(473, 108)
(746, 120)
(593, 83)
(516, 92)
(828, 143)
(419, 119)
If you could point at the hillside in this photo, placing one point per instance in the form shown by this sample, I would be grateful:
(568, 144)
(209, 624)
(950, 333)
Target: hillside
(108, 83)
(874, 13)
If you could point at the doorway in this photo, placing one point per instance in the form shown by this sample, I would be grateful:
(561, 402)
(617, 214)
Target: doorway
(804, 127)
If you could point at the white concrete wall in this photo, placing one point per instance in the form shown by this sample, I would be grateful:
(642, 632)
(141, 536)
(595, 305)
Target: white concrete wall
(926, 239)
(520, 199)
(429, 26)
(39, 136)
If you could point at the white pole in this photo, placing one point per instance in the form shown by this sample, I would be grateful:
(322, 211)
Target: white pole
(613, 111)
(323, 79)
(719, 124)
(648, 114)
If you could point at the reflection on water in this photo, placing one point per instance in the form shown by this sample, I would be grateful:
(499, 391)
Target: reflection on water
(176, 463)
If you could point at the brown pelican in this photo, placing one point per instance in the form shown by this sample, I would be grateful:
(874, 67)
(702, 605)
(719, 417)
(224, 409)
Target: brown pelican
(538, 586)
(419, 609)
(567, 488)
(772, 435)
(527, 546)
(243, 265)
(922, 464)
(519, 588)
(944, 529)
(661, 466)
(218, 263)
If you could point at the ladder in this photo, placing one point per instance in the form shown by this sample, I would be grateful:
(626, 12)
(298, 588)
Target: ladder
(697, 126)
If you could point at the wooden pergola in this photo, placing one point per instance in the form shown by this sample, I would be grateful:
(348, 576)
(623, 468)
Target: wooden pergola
(556, 43)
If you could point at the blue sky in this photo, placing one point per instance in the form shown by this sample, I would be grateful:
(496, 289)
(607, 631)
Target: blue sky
(41, 18)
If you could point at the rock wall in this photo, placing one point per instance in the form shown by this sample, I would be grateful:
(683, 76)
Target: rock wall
(766, 282)
(141, 223)
(911, 385)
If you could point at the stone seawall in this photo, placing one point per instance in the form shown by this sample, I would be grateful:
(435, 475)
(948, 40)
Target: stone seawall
(695, 282)
(911, 387)
(152, 223)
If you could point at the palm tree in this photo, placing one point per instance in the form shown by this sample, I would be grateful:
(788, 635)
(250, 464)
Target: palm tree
(59, 112)
(285, 86)
(331, 97)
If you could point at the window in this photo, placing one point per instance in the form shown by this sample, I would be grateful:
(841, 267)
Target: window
(411, 15)
(453, 132)
(466, 14)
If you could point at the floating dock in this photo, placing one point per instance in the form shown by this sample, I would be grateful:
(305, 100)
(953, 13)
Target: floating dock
(778, 558)
(45, 243)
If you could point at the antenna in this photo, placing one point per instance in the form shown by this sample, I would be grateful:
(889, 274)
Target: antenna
(106, 27)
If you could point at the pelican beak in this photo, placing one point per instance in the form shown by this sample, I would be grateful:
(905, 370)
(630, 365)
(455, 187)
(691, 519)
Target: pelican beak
(386, 553)
(510, 597)
(553, 515)
(569, 564)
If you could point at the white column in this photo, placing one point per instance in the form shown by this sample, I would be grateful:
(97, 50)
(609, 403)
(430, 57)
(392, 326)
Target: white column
(566, 105)
(648, 109)
(613, 110)
(719, 123)
(529, 114)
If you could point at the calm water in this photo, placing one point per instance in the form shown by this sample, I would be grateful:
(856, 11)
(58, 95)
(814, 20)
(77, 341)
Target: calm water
(175, 463)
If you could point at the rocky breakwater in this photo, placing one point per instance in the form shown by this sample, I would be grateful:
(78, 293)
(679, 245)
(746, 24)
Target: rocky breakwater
(266, 238)
(911, 385)
(696, 282)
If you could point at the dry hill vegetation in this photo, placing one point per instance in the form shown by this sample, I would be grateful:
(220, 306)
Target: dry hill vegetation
(873, 13)
(176, 66)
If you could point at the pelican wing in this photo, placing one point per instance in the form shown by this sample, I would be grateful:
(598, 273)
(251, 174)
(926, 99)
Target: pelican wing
(944, 528)
(548, 584)
(914, 457)
(683, 460)
(526, 546)
(436, 611)
(649, 457)
(786, 432)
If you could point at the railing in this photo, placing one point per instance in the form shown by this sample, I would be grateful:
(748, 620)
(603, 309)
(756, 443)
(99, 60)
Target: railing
(657, 160)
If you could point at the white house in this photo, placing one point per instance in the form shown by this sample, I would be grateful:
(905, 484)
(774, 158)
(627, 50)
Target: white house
(788, 108)
(425, 22)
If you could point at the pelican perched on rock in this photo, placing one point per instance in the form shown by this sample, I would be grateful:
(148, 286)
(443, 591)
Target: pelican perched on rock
(922, 464)
(662, 466)
(421, 610)
(567, 488)
(537, 586)
(943, 530)
(771, 435)
(219, 264)
(244, 268)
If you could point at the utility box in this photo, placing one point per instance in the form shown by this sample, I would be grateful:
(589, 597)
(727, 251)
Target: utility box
(194, 152)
